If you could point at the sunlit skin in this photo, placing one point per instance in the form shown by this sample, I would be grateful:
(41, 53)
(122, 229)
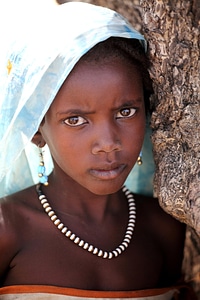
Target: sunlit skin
(95, 126)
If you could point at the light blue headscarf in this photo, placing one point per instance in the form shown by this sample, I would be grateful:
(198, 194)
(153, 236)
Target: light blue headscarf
(35, 60)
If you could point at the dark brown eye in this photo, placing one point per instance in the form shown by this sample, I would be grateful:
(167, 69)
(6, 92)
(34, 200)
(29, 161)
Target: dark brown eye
(75, 121)
(126, 112)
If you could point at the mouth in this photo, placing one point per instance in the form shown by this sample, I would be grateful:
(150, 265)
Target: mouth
(108, 172)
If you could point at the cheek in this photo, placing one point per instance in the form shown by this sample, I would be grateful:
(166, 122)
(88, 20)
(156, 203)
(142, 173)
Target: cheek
(52, 139)
(64, 148)
(137, 129)
(134, 139)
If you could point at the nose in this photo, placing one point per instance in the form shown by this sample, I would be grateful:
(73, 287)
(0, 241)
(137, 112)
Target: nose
(106, 139)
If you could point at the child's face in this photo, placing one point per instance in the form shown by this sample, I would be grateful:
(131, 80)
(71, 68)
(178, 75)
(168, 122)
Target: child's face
(95, 126)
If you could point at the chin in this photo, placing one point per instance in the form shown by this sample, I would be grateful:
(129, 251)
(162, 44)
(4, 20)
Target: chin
(106, 188)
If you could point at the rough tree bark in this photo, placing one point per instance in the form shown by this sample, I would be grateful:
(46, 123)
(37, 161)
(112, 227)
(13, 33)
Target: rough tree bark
(172, 29)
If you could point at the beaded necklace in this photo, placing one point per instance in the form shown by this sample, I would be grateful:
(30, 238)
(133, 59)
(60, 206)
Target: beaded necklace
(81, 243)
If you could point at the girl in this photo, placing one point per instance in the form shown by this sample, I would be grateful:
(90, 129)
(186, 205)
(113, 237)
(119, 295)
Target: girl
(79, 83)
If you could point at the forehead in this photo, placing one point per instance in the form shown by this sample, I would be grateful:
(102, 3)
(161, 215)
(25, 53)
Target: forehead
(116, 70)
(90, 85)
(113, 67)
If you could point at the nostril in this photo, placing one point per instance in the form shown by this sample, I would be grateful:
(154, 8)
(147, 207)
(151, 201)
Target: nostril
(107, 147)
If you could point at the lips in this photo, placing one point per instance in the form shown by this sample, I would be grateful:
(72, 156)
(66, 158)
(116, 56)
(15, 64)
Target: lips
(107, 171)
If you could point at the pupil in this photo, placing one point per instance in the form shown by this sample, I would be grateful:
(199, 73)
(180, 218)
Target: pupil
(73, 120)
(125, 112)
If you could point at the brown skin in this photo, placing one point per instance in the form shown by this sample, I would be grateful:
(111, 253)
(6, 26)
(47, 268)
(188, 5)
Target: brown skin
(92, 160)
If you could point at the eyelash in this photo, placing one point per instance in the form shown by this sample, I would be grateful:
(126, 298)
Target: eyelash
(131, 112)
(75, 120)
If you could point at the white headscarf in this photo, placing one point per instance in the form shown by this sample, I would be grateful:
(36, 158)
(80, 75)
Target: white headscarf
(36, 57)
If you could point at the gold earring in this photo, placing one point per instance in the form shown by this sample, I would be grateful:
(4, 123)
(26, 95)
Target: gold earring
(139, 160)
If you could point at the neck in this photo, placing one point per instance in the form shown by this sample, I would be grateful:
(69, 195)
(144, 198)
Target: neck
(88, 246)
(68, 197)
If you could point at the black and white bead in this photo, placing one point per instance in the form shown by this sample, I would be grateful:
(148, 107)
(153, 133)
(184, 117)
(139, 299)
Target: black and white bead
(81, 243)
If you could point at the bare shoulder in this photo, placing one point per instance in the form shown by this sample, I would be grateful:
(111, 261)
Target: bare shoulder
(13, 206)
(13, 211)
(167, 232)
(160, 222)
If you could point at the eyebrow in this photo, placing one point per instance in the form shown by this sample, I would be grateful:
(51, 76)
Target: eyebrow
(76, 111)
(129, 103)
(132, 102)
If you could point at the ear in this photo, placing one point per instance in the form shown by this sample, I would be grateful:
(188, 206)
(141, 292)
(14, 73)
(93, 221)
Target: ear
(38, 140)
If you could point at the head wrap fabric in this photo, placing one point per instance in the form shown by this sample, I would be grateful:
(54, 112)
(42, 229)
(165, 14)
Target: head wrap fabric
(41, 53)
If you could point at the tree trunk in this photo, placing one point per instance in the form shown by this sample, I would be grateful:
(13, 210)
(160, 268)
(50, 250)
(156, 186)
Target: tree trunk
(173, 35)
(172, 29)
